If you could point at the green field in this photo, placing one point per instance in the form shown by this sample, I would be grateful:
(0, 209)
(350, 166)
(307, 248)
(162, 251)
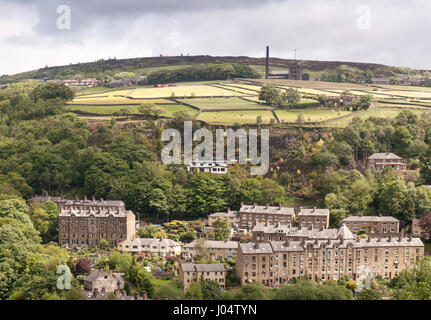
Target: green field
(387, 113)
(309, 115)
(389, 101)
(232, 117)
(106, 109)
(171, 109)
(101, 109)
(222, 103)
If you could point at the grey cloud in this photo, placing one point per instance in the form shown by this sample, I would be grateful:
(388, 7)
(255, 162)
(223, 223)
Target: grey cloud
(324, 30)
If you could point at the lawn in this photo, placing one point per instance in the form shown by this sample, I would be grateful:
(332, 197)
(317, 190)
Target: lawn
(309, 115)
(232, 117)
(222, 103)
(182, 91)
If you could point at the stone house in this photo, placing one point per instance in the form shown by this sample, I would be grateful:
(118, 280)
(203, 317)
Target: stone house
(83, 223)
(372, 224)
(315, 218)
(104, 281)
(190, 272)
(379, 161)
(220, 250)
(417, 230)
(250, 215)
(275, 263)
(150, 247)
(232, 216)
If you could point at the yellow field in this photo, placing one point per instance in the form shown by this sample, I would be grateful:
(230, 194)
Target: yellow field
(410, 94)
(116, 100)
(318, 92)
(315, 84)
(122, 92)
(181, 91)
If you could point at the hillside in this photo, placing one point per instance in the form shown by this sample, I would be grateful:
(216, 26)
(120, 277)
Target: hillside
(144, 66)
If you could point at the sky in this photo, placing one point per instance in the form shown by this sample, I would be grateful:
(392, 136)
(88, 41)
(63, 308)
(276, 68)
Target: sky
(37, 33)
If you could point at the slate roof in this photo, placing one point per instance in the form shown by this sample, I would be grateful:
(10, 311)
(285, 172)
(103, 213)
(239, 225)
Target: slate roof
(224, 214)
(267, 209)
(370, 219)
(191, 267)
(384, 156)
(215, 244)
(314, 212)
(280, 246)
(149, 241)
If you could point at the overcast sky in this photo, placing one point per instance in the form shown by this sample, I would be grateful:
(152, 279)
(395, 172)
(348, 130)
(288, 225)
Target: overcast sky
(36, 33)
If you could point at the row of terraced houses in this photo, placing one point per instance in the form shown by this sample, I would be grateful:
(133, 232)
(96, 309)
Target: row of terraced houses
(286, 242)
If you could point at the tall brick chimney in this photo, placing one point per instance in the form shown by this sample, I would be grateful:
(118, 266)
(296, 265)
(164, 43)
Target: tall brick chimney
(267, 63)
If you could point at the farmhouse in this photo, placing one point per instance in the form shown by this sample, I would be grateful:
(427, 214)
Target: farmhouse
(217, 167)
(379, 161)
(381, 80)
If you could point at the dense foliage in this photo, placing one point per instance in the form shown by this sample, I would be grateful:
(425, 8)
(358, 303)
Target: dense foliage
(202, 72)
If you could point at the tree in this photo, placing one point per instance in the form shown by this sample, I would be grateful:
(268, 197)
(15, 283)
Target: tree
(206, 195)
(148, 232)
(151, 111)
(75, 294)
(250, 292)
(269, 94)
(211, 290)
(83, 266)
(52, 90)
(291, 97)
(194, 291)
(259, 120)
(369, 294)
(170, 290)
(143, 279)
(425, 222)
(187, 236)
(300, 119)
(222, 229)
(324, 159)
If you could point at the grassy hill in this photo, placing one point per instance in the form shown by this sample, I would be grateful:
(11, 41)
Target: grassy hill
(144, 66)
